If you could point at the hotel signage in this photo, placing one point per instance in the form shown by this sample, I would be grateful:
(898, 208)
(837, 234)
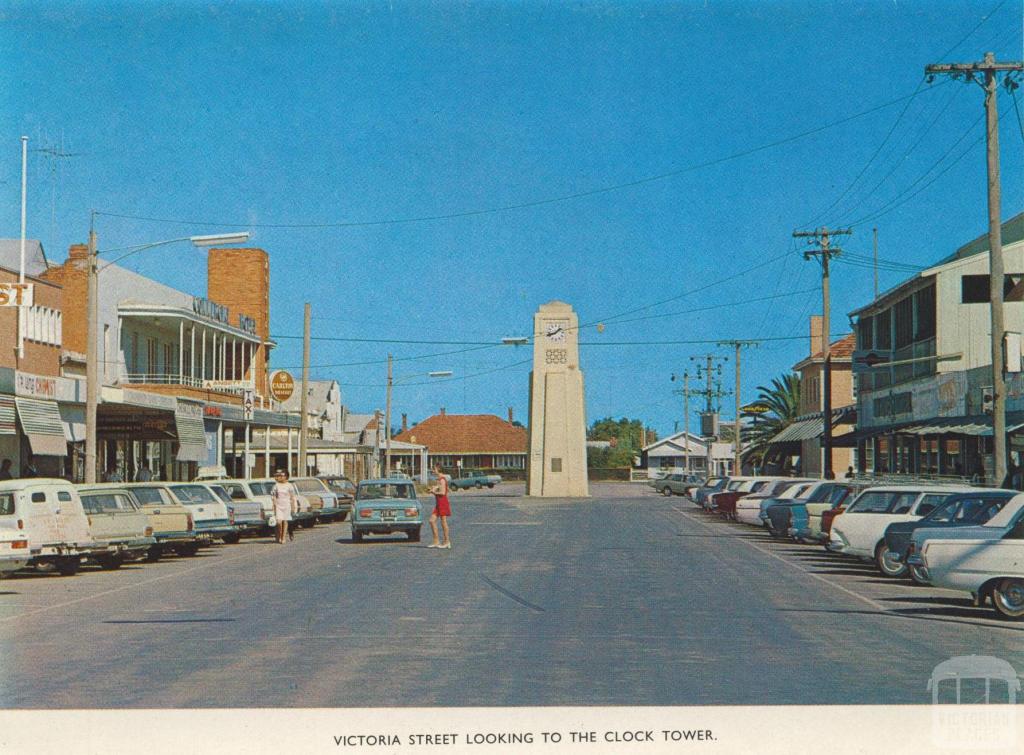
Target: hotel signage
(210, 310)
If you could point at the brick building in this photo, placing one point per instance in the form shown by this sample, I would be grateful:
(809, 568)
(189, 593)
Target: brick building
(31, 426)
(175, 368)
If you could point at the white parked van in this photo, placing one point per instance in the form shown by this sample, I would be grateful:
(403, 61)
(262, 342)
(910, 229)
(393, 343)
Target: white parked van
(50, 514)
(13, 541)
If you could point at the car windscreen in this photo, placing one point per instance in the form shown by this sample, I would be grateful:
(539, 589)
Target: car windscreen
(6, 503)
(235, 491)
(375, 491)
(221, 493)
(977, 510)
(193, 494)
(261, 488)
(148, 495)
(309, 486)
(98, 503)
(876, 501)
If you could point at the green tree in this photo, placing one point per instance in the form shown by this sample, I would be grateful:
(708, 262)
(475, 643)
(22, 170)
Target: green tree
(782, 402)
(627, 437)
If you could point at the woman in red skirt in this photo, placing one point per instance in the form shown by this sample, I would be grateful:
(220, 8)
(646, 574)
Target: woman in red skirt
(442, 510)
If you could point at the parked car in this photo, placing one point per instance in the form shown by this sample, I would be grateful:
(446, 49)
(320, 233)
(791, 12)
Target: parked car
(13, 540)
(860, 530)
(117, 522)
(958, 510)
(734, 484)
(344, 490)
(322, 502)
(673, 484)
(1011, 514)
(726, 501)
(245, 513)
(173, 524)
(753, 509)
(805, 517)
(50, 515)
(304, 517)
(474, 478)
(210, 514)
(990, 569)
(711, 485)
(386, 506)
(779, 517)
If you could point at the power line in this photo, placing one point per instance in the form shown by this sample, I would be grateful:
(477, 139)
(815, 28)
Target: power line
(435, 381)
(964, 38)
(533, 203)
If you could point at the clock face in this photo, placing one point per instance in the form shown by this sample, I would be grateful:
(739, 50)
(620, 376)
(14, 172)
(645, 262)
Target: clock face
(554, 331)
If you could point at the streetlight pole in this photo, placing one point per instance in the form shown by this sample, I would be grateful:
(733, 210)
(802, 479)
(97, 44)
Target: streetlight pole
(304, 398)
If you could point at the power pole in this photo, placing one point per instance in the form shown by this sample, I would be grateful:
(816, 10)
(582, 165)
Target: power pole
(304, 398)
(825, 252)
(685, 393)
(709, 370)
(92, 376)
(874, 232)
(991, 68)
(738, 344)
(387, 424)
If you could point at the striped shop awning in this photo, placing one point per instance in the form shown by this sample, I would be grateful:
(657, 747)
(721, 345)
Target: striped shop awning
(8, 416)
(188, 418)
(40, 421)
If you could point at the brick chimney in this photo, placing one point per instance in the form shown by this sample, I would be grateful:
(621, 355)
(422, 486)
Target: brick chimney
(510, 418)
(73, 277)
(405, 422)
(816, 344)
(78, 251)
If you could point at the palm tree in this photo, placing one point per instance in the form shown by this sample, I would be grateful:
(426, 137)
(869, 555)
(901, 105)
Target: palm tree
(781, 403)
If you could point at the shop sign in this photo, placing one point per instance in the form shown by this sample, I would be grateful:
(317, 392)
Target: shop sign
(952, 392)
(35, 386)
(212, 411)
(188, 409)
(282, 385)
(247, 324)
(16, 295)
(248, 403)
(209, 309)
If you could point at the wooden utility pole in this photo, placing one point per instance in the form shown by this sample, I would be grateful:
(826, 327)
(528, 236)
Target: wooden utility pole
(387, 424)
(738, 344)
(990, 68)
(304, 397)
(874, 232)
(825, 252)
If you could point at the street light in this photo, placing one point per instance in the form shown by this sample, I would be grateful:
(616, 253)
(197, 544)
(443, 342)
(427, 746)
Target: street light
(92, 299)
(387, 408)
(515, 340)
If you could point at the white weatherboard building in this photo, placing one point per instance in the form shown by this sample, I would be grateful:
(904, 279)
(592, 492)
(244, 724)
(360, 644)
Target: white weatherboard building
(928, 415)
(670, 454)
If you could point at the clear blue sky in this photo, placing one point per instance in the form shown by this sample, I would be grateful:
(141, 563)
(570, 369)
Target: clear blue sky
(298, 113)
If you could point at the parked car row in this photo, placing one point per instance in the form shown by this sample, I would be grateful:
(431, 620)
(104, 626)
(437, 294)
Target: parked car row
(945, 535)
(54, 525)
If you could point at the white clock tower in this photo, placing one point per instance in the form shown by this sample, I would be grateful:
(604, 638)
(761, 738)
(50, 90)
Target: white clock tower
(558, 448)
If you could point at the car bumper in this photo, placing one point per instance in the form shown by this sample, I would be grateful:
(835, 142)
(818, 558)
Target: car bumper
(217, 529)
(12, 563)
(186, 536)
(128, 545)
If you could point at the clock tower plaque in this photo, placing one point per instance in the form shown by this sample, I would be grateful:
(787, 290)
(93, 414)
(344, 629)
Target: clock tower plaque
(558, 451)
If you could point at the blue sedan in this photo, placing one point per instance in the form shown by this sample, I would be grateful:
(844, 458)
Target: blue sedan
(383, 507)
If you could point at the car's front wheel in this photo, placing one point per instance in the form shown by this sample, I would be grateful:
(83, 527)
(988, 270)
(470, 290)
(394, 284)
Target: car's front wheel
(886, 565)
(110, 562)
(357, 536)
(1008, 599)
(232, 538)
(68, 567)
(187, 549)
(917, 574)
(666, 491)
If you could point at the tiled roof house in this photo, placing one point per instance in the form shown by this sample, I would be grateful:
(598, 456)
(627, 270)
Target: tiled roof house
(470, 441)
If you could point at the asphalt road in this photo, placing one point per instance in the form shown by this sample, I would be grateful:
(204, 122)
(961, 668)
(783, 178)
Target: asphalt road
(627, 598)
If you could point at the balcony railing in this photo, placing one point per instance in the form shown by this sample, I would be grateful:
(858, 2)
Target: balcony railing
(162, 378)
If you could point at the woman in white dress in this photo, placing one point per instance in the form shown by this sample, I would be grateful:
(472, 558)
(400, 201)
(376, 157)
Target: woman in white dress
(285, 502)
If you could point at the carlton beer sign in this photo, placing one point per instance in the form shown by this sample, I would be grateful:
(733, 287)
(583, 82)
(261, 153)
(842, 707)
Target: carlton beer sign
(282, 385)
(16, 294)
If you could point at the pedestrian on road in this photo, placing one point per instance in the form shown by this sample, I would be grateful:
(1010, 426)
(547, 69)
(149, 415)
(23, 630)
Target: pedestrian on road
(5, 470)
(285, 502)
(442, 510)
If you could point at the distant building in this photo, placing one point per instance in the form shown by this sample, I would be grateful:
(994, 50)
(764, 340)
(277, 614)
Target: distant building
(682, 453)
(470, 441)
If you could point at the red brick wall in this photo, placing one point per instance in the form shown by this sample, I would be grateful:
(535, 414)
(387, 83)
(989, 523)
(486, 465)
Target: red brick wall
(73, 277)
(40, 358)
(240, 280)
